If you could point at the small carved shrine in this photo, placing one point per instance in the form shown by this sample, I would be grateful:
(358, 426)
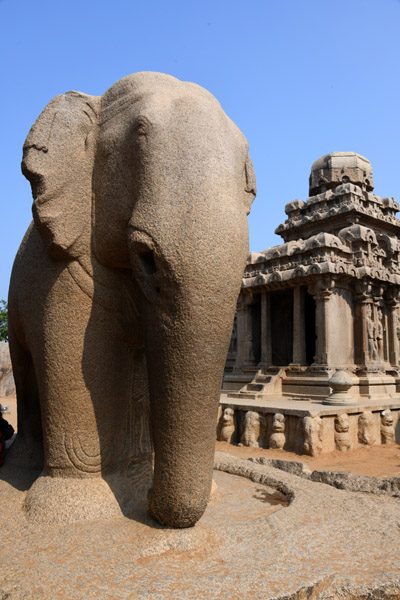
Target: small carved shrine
(324, 302)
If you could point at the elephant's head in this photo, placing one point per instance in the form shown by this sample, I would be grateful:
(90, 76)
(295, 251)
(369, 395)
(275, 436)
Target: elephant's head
(158, 180)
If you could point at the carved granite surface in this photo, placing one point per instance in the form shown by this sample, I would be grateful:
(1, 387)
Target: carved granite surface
(251, 430)
(366, 434)
(387, 427)
(312, 435)
(267, 534)
(277, 439)
(227, 426)
(355, 249)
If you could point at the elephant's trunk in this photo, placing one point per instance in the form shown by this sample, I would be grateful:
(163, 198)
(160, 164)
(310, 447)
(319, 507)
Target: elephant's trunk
(188, 305)
(186, 359)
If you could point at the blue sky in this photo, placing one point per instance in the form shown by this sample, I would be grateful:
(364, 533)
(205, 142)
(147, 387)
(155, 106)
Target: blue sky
(300, 79)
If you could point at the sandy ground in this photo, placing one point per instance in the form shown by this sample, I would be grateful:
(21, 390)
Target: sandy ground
(378, 461)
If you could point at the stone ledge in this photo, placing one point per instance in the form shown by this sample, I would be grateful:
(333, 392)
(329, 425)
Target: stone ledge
(304, 407)
(342, 480)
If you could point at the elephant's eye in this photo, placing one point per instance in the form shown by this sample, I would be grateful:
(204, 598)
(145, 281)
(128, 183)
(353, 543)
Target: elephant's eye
(142, 125)
(147, 262)
(146, 258)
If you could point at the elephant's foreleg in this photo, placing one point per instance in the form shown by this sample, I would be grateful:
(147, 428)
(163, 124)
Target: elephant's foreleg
(71, 487)
(28, 446)
(85, 385)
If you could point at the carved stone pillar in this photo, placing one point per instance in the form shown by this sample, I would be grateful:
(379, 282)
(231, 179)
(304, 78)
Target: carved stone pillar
(240, 332)
(367, 351)
(321, 318)
(243, 331)
(379, 321)
(299, 327)
(361, 337)
(266, 340)
(386, 350)
(321, 292)
(374, 360)
(393, 307)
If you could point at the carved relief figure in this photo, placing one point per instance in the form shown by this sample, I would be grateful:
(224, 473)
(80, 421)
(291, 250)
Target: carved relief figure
(219, 421)
(398, 326)
(387, 427)
(277, 439)
(371, 331)
(380, 333)
(111, 293)
(342, 437)
(227, 429)
(366, 434)
(248, 344)
(312, 427)
(251, 431)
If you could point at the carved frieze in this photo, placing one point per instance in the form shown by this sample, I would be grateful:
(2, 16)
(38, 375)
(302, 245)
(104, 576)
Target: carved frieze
(342, 229)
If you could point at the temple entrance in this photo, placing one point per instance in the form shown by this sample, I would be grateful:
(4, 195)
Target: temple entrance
(281, 306)
(255, 309)
(309, 317)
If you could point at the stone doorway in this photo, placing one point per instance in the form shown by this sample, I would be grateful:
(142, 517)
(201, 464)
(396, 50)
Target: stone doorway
(282, 327)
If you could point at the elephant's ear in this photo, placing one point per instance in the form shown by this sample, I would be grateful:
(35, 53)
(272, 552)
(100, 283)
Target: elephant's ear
(58, 160)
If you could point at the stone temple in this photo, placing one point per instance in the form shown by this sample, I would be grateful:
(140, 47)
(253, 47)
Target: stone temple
(315, 344)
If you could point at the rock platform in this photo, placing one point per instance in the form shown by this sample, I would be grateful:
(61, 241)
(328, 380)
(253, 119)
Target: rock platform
(266, 533)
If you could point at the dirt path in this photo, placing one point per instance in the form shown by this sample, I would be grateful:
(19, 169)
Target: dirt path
(378, 461)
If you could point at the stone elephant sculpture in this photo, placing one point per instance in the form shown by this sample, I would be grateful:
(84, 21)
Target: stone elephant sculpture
(123, 295)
